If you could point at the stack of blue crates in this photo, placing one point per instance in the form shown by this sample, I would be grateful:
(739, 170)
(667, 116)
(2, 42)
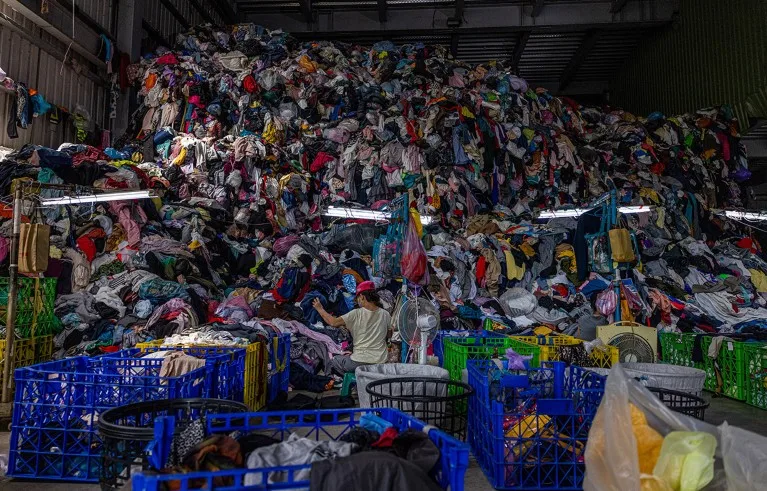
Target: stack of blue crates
(227, 367)
(54, 431)
(279, 366)
(528, 429)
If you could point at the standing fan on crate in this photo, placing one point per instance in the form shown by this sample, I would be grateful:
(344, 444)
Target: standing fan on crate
(417, 321)
(637, 343)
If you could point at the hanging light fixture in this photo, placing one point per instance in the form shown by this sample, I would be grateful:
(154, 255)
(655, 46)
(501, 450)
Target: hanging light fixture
(379, 216)
(96, 198)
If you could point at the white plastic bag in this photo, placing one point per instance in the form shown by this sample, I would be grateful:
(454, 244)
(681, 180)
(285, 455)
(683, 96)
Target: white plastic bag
(612, 463)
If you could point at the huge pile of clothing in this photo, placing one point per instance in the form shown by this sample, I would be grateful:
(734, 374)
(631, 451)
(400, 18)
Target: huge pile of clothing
(248, 136)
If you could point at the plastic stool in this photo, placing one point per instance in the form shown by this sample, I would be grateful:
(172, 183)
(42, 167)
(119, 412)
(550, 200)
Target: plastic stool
(349, 380)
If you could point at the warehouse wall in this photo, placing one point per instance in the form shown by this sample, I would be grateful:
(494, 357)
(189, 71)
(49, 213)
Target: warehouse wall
(715, 54)
(163, 16)
(34, 57)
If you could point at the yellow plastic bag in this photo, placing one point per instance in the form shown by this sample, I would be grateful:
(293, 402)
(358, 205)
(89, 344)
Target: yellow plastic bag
(686, 460)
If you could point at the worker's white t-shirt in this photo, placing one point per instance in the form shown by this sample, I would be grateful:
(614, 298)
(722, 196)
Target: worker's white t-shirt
(368, 329)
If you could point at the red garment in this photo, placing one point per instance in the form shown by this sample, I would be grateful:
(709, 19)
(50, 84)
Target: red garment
(88, 247)
(167, 59)
(249, 84)
(481, 267)
(387, 438)
(320, 161)
(561, 290)
(747, 243)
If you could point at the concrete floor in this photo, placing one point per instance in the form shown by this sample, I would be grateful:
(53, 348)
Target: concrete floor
(722, 409)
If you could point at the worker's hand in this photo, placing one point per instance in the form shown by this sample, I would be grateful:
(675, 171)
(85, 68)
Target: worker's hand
(317, 304)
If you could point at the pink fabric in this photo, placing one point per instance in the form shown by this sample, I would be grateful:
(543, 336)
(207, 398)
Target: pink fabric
(132, 229)
(333, 348)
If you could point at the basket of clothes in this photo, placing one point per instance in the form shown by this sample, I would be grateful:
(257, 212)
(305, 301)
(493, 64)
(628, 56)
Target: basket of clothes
(682, 402)
(227, 366)
(127, 432)
(325, 450)
(437, 402)
(663, 376)
(568, 349)
(368, 374)
(248, 373)
(528, 428)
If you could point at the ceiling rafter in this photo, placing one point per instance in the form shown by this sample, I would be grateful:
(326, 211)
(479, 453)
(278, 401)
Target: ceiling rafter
(578, 58)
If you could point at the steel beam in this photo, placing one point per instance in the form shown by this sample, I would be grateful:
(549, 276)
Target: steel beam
(537, 8)
(175, 13)
(578, 58)
(382, 12)
(576, 16)
(155, 34)
(203, 13)
(454, 38)
(617, 6)
(306, 10)
(519, 49)
(225, 8)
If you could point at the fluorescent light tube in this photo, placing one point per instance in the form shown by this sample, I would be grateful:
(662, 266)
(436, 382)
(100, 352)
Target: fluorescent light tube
(746, 215)
(380, 216)
(95, 198)
(575, 212)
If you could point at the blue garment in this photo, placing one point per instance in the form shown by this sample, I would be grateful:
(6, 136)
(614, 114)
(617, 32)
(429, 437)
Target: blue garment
(375, 423)
(311, 316)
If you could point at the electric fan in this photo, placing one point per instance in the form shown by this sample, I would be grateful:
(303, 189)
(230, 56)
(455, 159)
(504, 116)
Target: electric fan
(417, 321)
(636, 343)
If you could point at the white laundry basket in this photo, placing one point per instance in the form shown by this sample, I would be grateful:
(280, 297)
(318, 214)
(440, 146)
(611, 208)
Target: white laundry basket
(371, 373)
(663, 376)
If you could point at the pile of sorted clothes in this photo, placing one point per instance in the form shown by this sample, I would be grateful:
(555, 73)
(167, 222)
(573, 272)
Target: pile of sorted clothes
(248, 137)
(367, 456)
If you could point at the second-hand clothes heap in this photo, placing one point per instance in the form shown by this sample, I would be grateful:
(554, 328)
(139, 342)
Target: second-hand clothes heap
(249, 136)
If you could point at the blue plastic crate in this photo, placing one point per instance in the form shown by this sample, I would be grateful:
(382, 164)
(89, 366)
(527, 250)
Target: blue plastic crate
(438, 345)
(54, 432)
(279, 366)
(528, 429)
(227, 367)
(318, 425)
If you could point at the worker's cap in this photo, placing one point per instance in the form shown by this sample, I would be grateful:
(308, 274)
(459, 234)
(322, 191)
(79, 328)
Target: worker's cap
(365, 286)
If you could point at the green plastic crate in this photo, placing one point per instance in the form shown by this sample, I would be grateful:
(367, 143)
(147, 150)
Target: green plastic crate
(676, 349)
(459, 350)
(756, 374)
(732, 366)
(34, 308)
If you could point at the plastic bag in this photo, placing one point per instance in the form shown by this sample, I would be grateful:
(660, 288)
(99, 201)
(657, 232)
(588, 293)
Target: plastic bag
(413, 262)
(612, 462)
(517, 361)
(686, 460)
